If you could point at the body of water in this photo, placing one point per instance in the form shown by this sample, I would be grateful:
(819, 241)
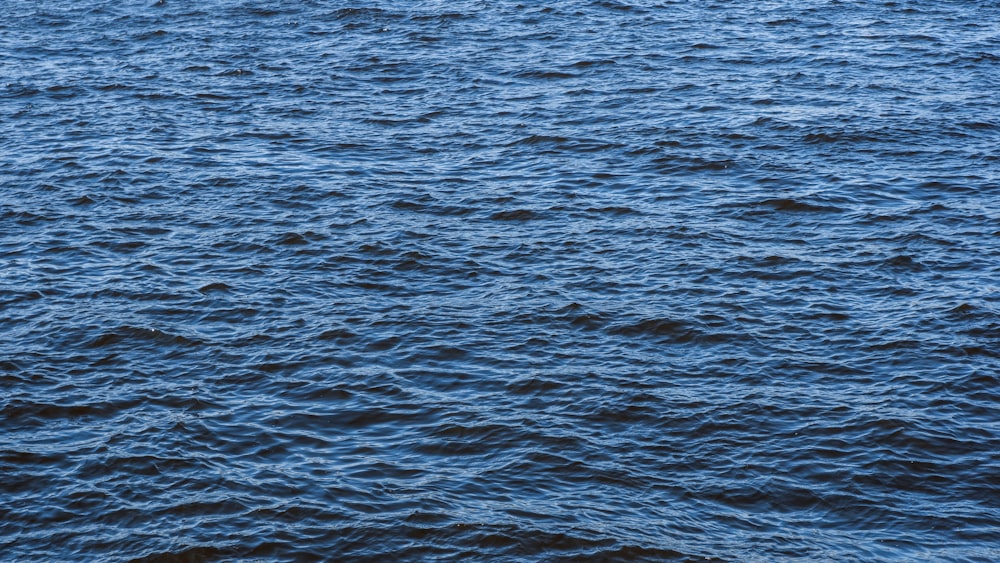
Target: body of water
(500, 281)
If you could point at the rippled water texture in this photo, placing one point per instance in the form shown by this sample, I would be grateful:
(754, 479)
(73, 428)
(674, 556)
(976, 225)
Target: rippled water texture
(617, 280)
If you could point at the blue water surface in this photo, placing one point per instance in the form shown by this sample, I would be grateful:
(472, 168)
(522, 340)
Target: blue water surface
(641, 280)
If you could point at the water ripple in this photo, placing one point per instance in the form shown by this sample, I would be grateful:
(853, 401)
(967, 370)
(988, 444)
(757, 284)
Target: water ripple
(591, 280)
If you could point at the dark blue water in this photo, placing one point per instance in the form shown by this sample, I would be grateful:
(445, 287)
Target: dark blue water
(577, 280)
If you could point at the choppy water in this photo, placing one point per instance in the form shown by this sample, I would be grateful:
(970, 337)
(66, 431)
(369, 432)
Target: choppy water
(608, 280)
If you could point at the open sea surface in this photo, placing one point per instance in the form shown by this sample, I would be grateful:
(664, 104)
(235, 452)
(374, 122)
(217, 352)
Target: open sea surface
(617, 280)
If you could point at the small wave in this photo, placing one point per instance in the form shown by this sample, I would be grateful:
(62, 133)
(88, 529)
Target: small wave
(291, 239)
(903, 262)
(192, 554)
(538, 139)
(597, 62)
(126, 334)
(19, 412)
(791, 205)
(783, 21)
(671, 329)
(215, 287)
(842, 137)
(515, 215)
(545, 75)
